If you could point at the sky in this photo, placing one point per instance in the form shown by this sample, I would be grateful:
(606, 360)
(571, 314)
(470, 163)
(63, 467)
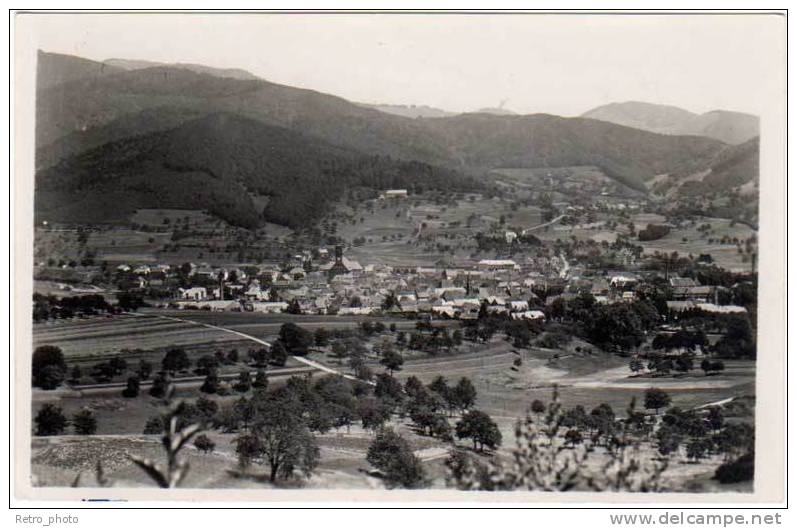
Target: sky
(558, 64)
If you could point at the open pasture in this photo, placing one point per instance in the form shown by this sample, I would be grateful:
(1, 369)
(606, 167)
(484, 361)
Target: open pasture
(505, 392)
(688, 240)
(387, 230)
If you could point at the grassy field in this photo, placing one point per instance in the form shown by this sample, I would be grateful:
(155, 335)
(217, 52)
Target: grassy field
(688, 240)
(391, 231)
(103, 335)
(504, 391)
(582, 379)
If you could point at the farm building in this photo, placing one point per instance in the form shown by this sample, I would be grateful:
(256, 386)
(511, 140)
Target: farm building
(394, 193)
(196, 293)
(529, 315)
(498, 265)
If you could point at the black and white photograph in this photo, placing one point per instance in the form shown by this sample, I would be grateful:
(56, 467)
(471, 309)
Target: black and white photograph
(460, 254)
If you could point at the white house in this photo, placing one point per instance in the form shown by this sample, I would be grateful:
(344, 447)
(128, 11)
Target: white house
(498, 264)
(269, 307)
(197, 293)
(394, 193)
(530, 315)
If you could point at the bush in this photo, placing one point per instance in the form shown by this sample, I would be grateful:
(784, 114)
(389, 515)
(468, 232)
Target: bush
(244, 382)
(133, 387)
(159, 386)
(740, 470)
(204, 444)
(653, 232)
(154, 426)
(84, 422)
(50, 420)
(49, 367)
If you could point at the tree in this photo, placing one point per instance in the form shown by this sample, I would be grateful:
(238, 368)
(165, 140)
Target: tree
(537, 407)
(286, 443)
(684, 363)
(278, 354)
(413, 386)
(51, 376)
(390, 301)
(294, 307)
(204, 444)
(373, 412)
(740, 470)
(388, 389)
(248, 447)
(297, 341)
(261, 380)
(244, 411)
(667, 440)
(391, 454)
(321, 337)
(696, 449)
(207, 409)
(144, 369)
(339, 351)
(84, 422)
(480, 428)
(439, 386)
(160, 385)
(206, 363)
(573, 437)
(154, 425)
(175, 360)
(118, 365)
(232, 356)
(133, 387)
(708, 366)
(48, 368)
(540, 462)
(656, 399)
(261, 356)
(392, 361)
(602, 420)
(244, 382)
(211, 383)
(715, 419)
(463, 394)
(456, 337)
(50, 420)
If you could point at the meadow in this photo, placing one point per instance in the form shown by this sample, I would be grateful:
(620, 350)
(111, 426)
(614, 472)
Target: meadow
(505, 392)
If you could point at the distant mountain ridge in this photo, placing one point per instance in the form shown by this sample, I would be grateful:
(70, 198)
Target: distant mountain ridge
(229, 73)
(494, 110)
(411, 111)
(92, 117)
(729, 127)
(55, 68)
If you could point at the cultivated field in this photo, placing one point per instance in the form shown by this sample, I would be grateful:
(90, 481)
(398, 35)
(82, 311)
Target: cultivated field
(504, 391)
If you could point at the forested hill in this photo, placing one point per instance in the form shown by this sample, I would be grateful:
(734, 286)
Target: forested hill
(75, 116)
(102, 129)
(540, 140)
(219, 163)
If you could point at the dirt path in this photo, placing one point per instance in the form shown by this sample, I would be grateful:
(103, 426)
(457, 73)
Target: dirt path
(308, 362)
(540, 226)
